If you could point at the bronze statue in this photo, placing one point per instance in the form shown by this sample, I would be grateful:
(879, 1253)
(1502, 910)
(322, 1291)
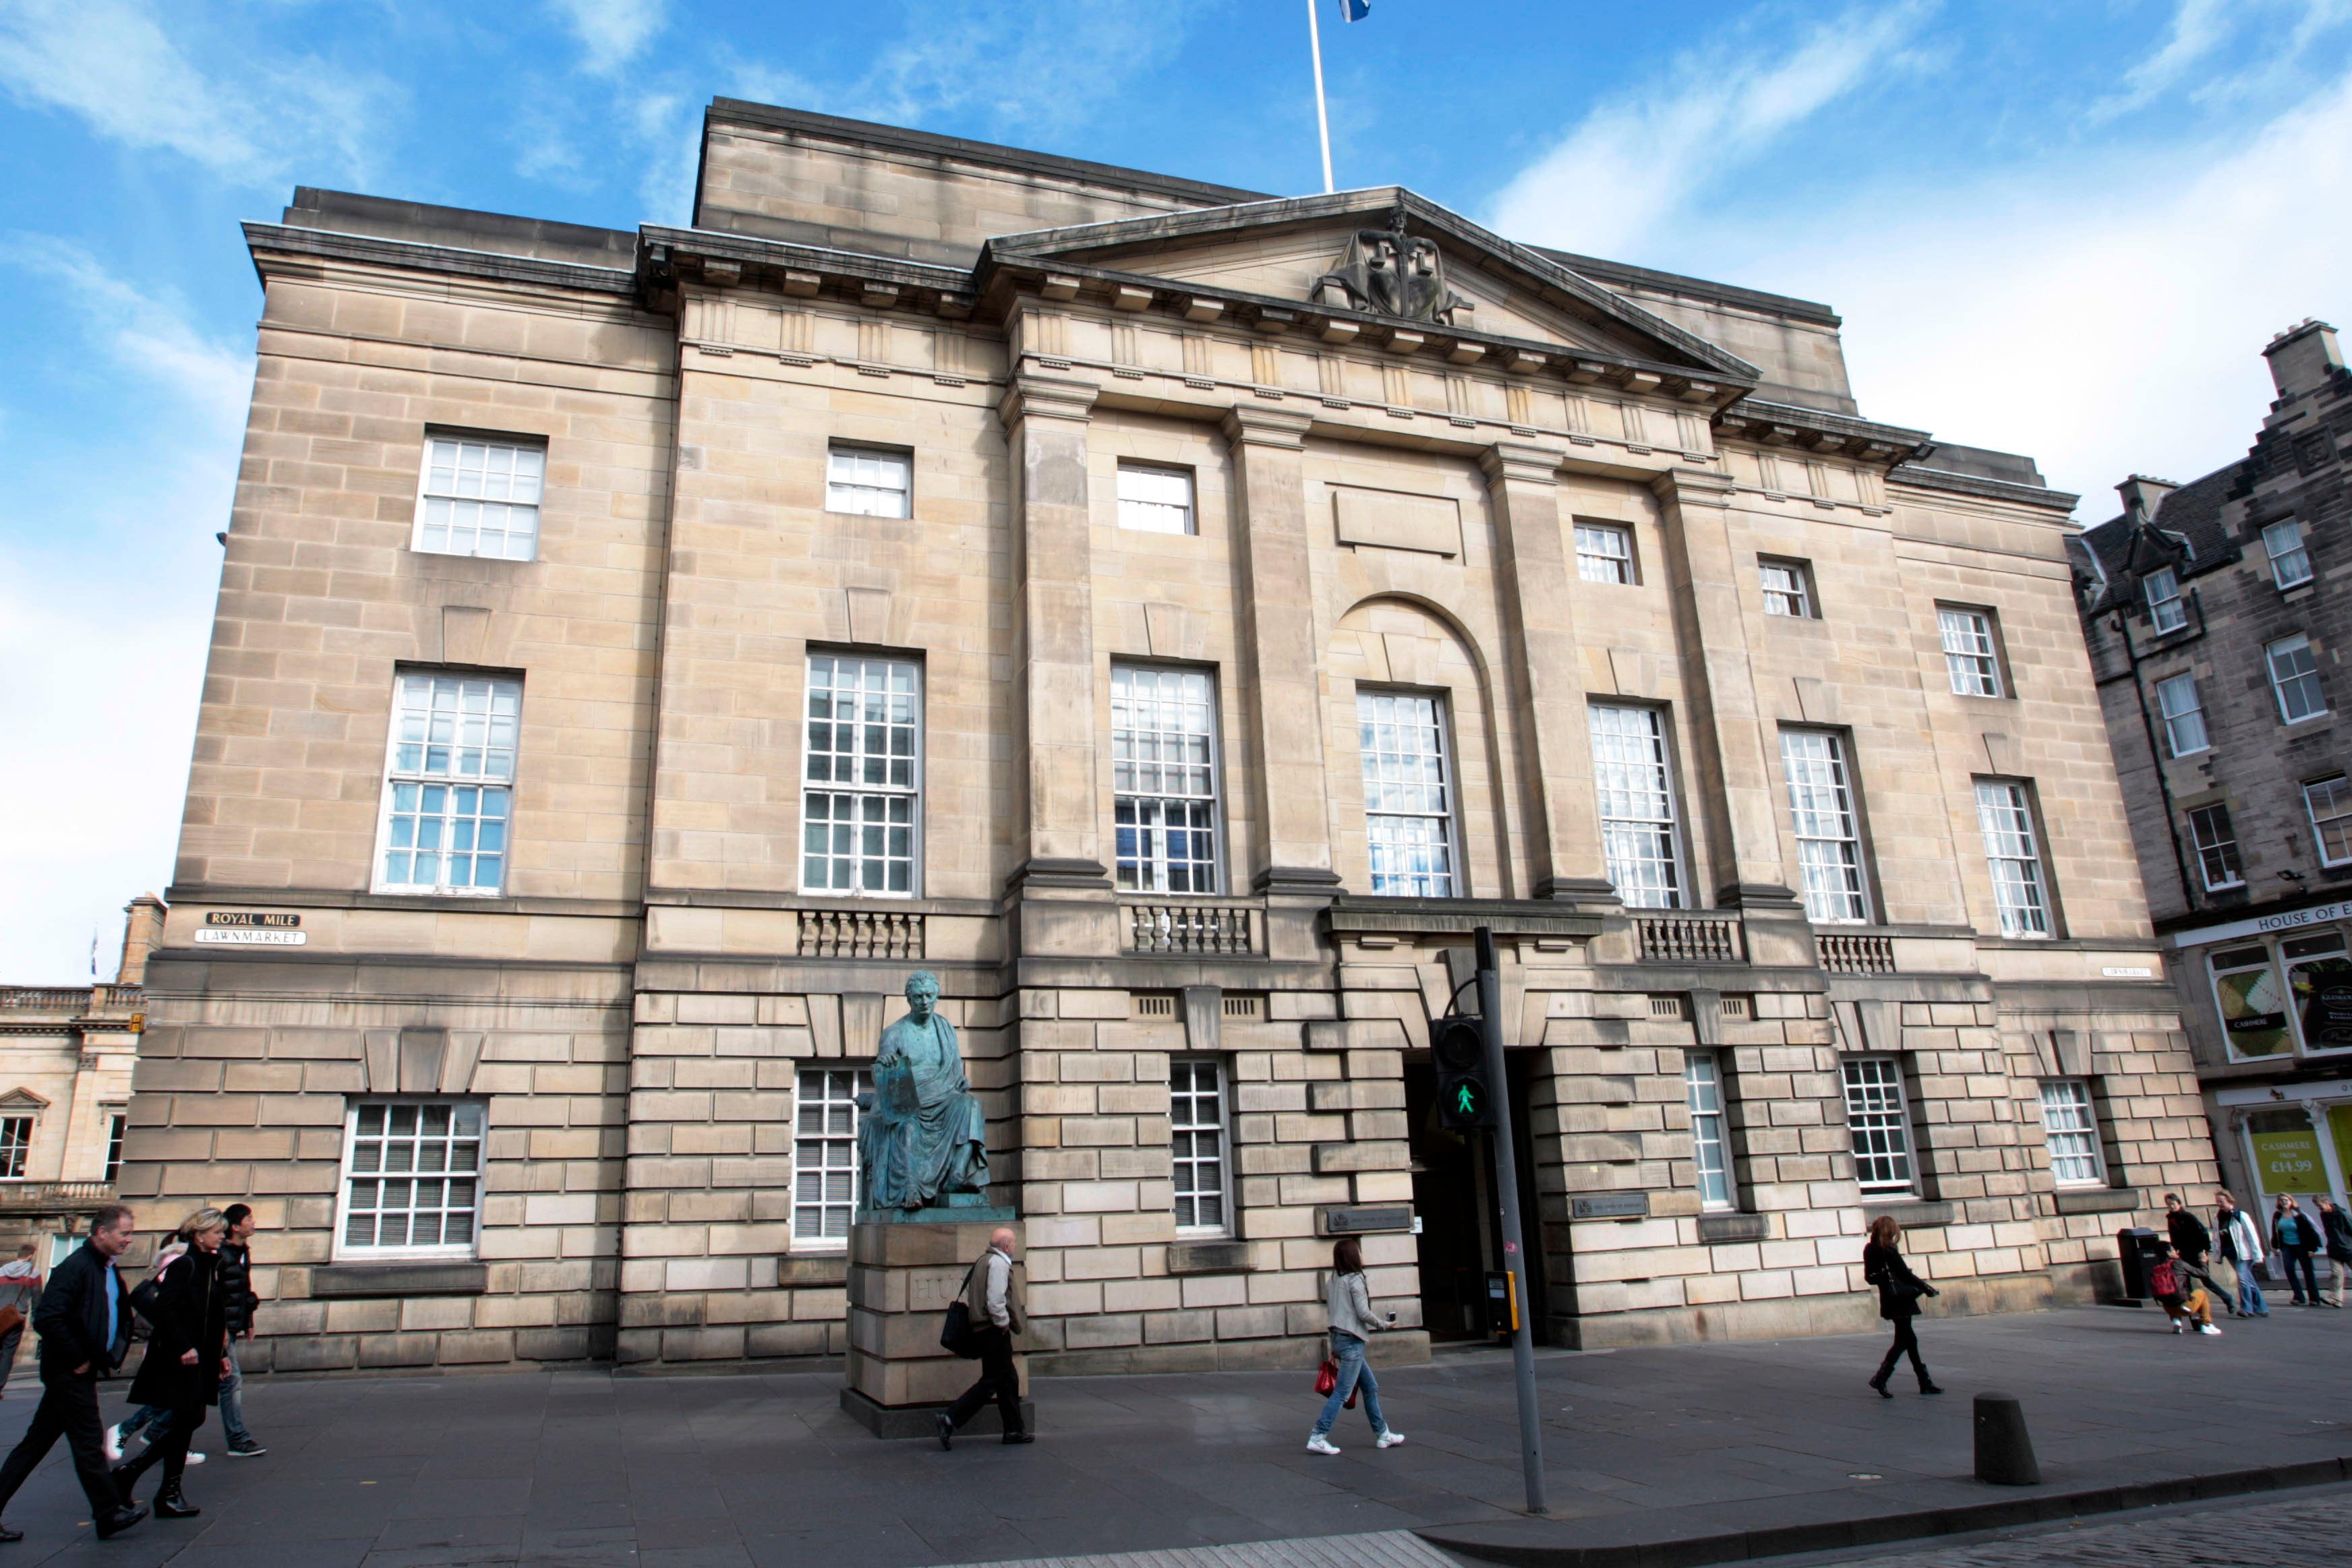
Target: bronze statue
(920, 1136)
(1390, 273)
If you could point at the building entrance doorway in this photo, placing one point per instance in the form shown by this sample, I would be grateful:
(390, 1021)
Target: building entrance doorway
(1461, 1243)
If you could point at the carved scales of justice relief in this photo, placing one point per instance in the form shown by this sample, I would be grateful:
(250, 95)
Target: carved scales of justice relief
(1388, 272)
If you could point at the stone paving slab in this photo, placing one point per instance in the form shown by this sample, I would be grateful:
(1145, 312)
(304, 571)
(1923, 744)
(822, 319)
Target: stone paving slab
(585, 1469)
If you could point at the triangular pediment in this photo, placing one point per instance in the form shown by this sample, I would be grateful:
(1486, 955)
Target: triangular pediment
(1284, 249)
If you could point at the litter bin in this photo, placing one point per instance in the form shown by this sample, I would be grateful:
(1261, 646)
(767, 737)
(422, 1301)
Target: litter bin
(2139, 1247)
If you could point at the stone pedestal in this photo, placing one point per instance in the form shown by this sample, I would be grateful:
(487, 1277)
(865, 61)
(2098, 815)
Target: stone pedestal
(904, 1270)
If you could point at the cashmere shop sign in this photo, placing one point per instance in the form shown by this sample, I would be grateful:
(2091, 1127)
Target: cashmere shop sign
(2290, 1161)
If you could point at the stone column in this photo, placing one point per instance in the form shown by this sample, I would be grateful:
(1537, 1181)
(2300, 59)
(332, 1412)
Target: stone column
(1046, 421)
(1744, 827)
(1564, 852)
(1279, 655)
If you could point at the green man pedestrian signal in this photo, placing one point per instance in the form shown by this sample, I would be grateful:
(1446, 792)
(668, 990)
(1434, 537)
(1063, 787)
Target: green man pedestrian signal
(1464, 1098)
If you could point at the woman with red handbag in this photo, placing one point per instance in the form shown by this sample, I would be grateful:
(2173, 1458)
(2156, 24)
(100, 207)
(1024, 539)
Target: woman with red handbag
(1344, 1373)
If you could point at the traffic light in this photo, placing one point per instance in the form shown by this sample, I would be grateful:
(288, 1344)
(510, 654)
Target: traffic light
(1464, 1098)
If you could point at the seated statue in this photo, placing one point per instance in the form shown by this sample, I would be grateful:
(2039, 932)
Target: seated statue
(920, 1136)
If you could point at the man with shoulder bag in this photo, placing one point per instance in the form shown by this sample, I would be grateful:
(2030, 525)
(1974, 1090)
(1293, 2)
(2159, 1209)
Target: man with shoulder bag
(994, 1310)
(84, 1322)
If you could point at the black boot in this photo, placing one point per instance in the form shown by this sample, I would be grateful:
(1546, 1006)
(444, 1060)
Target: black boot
(1927, 1386)
(169, 1504)
(126, 1475)
(120, 1519)
(1878, 1385)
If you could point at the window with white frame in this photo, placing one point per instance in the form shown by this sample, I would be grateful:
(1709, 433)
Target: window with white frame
(2294, 677)
(1634, 777)
(1710, 1145)
(2184, 715)
(448, 792)
(1880, 1121)
(1604, 553)
(2020, 885)
(1787, 589)
(2290, 561)
(1408, 794)
(15, 1143)
(2216, 843)
(116, 1124)
(2166, 609)
(412, 1178)
(824, 1154)
(861, 807)
(1972, 658)
(869, 482)
(2330, 802)
(1196, 1116)
(1155, 501)
(2071, 1129)
(1828, 832)
(1163, 748)
(480, 498)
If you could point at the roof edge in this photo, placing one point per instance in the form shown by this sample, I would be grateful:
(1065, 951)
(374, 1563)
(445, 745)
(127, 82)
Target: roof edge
(1624, 273)
(773, 117)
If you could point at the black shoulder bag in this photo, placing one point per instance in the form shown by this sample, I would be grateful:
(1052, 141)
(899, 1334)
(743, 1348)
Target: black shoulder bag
(955, 1330)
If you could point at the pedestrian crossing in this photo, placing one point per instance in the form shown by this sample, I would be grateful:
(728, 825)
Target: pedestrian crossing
(1388, 1549)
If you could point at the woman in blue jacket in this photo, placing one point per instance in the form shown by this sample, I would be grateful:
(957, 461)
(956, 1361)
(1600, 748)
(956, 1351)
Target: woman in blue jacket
(2295, 1238)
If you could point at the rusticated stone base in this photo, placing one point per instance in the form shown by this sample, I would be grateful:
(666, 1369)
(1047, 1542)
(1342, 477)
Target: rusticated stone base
(920, 1420)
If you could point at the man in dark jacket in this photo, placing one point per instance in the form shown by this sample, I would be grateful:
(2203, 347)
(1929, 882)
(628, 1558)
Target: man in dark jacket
(235, 1276)
(84, 1322)
(2192, 1246)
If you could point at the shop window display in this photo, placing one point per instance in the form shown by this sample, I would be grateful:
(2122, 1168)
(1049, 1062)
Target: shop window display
(2320, 976)
(2252, 1001)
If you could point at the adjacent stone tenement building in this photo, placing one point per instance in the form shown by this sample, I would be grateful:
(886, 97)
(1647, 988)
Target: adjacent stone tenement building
(2210, 612)
(1177, 617)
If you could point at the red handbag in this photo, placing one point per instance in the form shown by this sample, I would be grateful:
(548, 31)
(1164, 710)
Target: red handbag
(1328, 1378)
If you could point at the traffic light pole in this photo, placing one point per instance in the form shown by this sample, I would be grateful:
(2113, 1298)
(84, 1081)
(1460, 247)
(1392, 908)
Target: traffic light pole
(1507, 1183)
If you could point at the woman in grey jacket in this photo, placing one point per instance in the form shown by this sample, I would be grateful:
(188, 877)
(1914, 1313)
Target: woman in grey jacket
(1353, 1324)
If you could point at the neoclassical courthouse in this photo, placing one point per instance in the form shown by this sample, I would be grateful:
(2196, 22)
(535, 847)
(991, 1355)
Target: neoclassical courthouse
(1176, 617)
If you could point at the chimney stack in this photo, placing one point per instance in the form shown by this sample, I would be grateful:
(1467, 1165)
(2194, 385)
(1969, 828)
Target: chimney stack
(2143, 493)
(143, 933)
(2303, 358)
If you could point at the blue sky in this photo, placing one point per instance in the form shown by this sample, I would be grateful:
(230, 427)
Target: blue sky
(2065, 229)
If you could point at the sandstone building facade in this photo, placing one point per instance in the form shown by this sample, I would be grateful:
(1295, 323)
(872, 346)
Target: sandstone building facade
(1176, 617)
(2211, 615)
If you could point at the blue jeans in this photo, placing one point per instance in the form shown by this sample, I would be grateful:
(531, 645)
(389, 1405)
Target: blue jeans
(1349, 1351)
(2293, 1258)
(2250, 1293)
(153, 1420)
(232, 1402)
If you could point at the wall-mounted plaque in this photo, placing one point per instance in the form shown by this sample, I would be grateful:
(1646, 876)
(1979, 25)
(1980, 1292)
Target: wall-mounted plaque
(252, 928)
(1610, 1206)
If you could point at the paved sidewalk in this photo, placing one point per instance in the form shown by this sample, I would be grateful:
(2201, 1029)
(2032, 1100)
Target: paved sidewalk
(585, 1469)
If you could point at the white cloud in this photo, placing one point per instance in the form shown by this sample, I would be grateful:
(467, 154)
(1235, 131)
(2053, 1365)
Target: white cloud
(1640, 157)
(611, 32)
(2199, 28)
(105, 605)
(2105, 315)
(115, 64)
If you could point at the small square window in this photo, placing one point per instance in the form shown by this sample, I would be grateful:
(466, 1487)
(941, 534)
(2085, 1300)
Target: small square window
(2070, 1128)
(412, 1178)
(1156, 500)
(868, 482)
(1196, 1122)
(1604, 553)
(1880, 1123)
(2290, 561)
(2166, 609)
(448, 792)
(15, 1142)
(2217, 848)
(824, 1154)
(1788, 587)
(1972, 652)
(480, 498)
(2294, 678)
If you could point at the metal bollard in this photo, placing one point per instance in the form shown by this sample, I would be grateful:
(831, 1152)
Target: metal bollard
(2004, 1452)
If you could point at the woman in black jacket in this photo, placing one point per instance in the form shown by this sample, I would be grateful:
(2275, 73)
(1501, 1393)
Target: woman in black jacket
(1899, 1291)
(186, 1356)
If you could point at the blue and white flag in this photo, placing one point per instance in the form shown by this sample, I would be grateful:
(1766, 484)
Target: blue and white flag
(1355, 10)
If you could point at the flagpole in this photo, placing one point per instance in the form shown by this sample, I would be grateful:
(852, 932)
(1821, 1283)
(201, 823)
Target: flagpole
(1322, 117)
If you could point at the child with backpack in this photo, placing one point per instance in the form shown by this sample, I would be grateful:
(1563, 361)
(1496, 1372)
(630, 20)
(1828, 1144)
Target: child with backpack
(2182, 1300)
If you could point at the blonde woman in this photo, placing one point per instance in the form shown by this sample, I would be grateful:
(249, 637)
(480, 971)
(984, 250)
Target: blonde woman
(1899, 1291)
(186, 1357)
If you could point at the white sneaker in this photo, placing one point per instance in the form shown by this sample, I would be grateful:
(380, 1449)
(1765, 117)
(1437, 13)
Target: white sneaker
(2177, 1324)
(1317, 1443)
(195, 1459)
(2207, 1328)
(112, 1444)
(1391, 1439)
